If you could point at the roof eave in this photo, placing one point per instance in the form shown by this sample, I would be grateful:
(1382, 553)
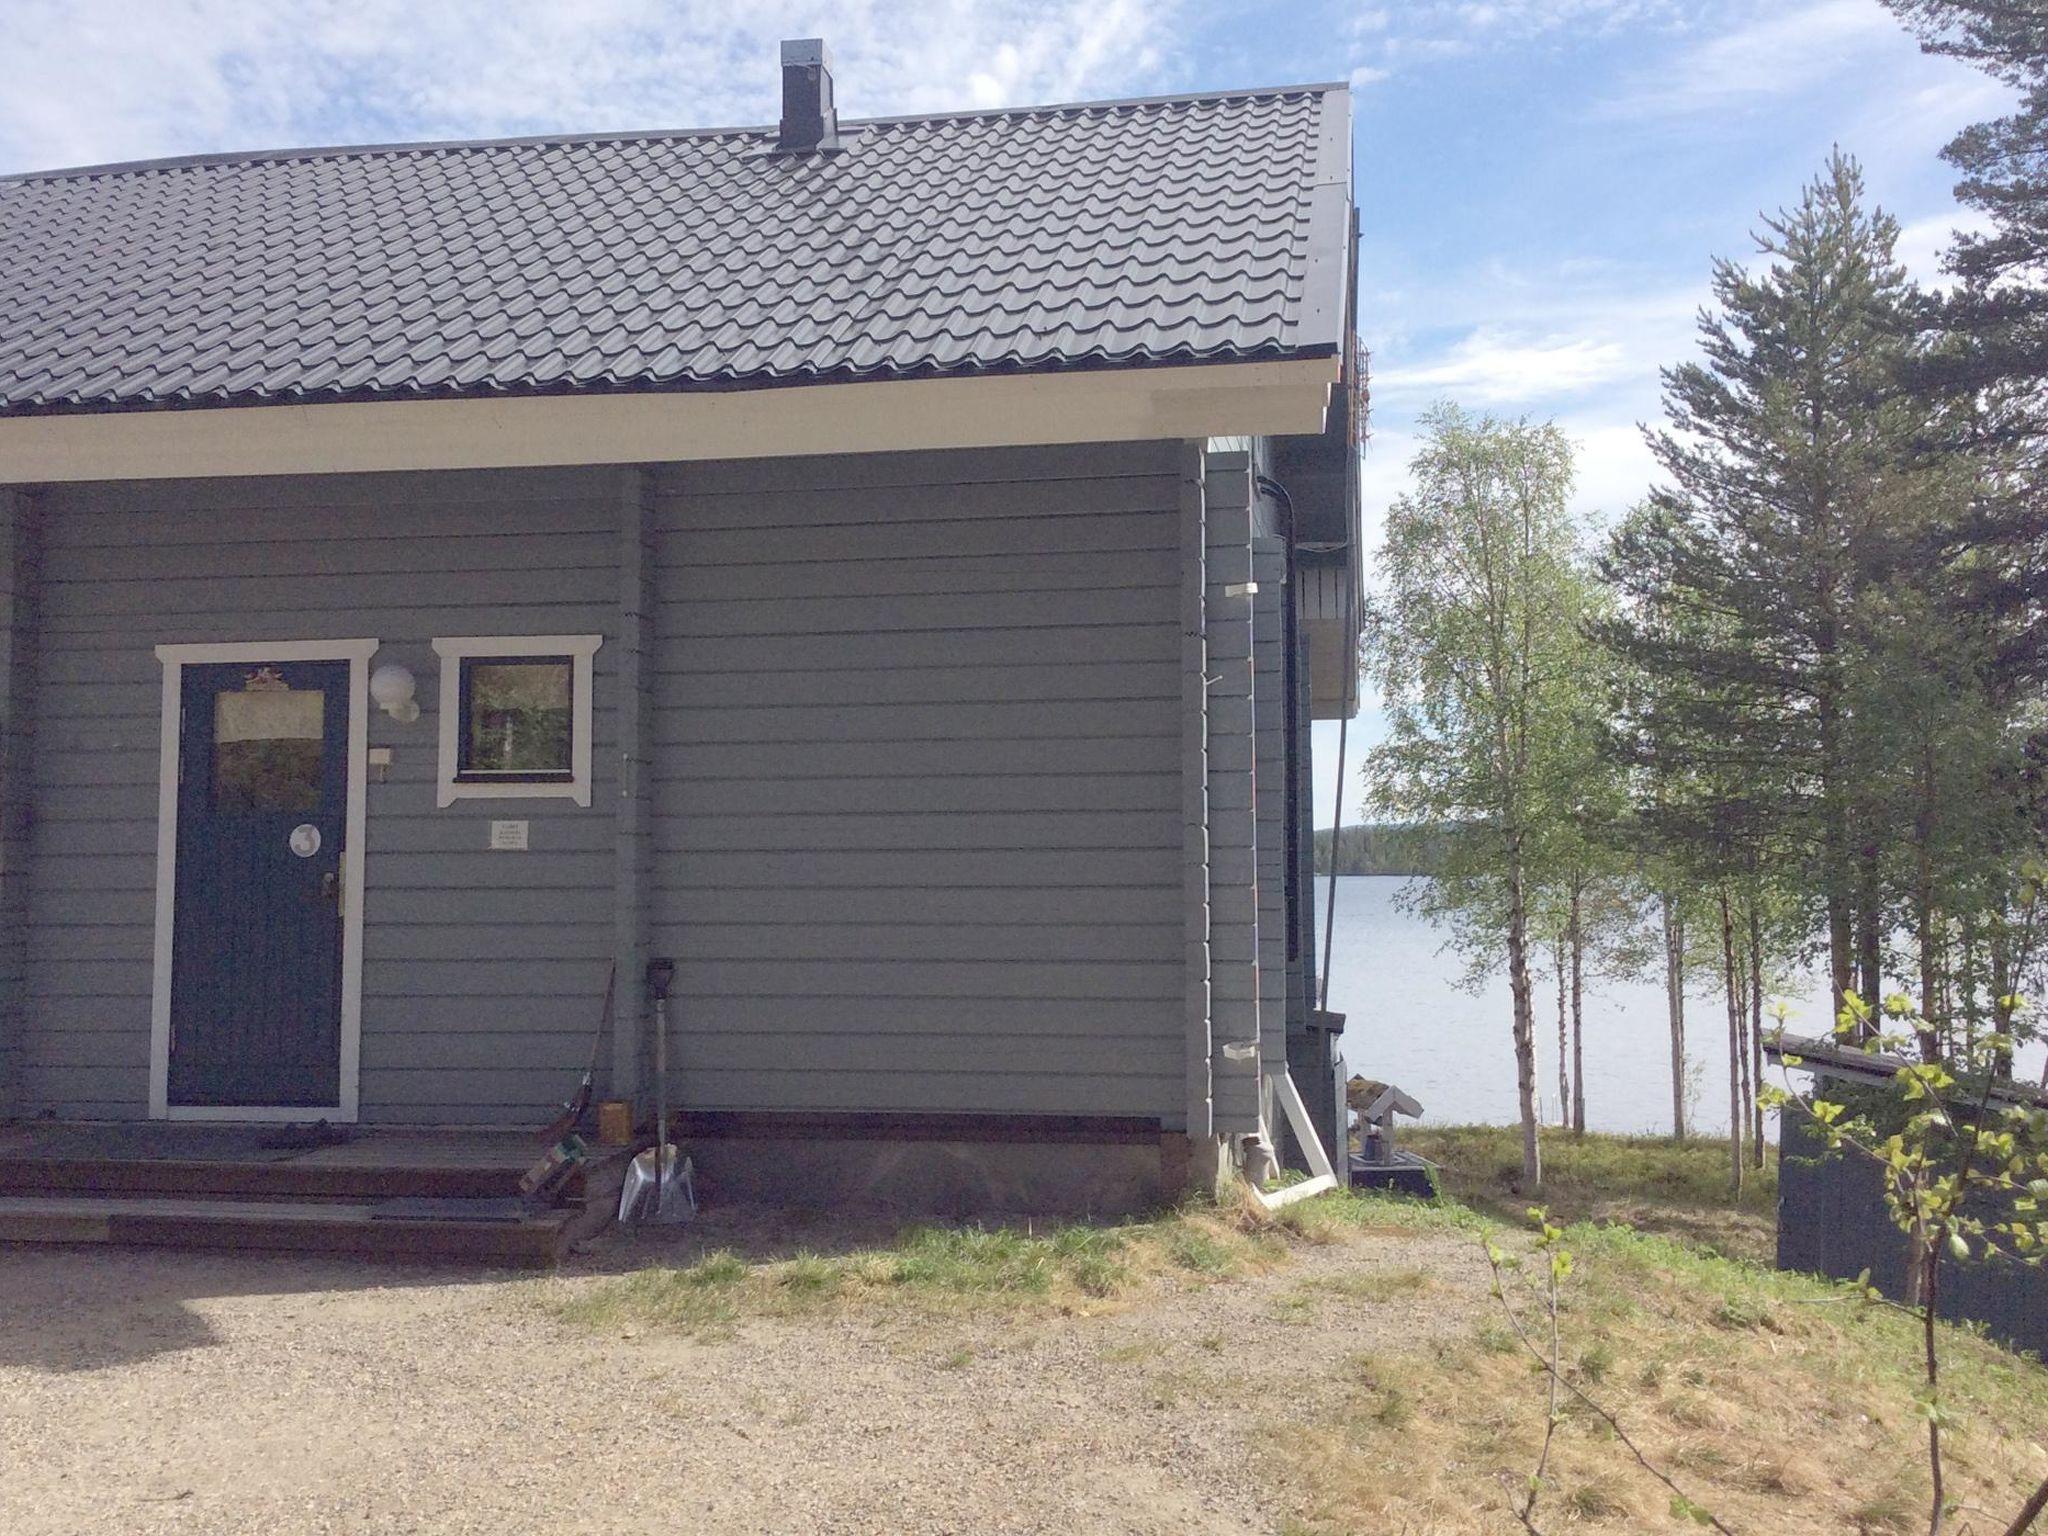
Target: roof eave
(1274, 397)
(715, 384)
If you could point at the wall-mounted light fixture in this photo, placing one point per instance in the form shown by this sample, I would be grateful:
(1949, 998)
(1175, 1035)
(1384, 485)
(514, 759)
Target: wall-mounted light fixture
(394, 688)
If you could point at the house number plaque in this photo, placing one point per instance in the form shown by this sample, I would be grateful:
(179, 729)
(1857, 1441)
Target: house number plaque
(305, 840)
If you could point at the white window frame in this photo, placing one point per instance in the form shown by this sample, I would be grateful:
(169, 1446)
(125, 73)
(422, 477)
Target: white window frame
(175, 659)
(453, 650)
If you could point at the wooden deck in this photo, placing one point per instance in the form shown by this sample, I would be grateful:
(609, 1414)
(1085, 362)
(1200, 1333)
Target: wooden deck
(446, 1196)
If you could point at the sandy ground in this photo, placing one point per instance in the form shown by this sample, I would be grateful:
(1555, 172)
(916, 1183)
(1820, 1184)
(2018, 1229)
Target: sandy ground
(144, 1393)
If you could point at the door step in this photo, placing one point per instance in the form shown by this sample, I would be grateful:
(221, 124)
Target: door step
(404, 1231)
(282, 1180)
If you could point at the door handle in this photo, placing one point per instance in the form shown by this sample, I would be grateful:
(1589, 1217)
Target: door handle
(330, 887)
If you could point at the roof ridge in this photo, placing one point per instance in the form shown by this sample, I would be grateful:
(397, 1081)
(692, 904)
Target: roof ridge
(646, 135)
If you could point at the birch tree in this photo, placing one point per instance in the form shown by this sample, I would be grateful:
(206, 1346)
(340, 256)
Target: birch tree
(1478, 647)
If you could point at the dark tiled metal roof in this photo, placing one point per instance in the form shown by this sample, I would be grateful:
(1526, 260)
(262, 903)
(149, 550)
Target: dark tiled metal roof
(1110, 235)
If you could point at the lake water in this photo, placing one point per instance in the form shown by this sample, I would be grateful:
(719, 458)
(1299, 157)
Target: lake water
(1409, 1023)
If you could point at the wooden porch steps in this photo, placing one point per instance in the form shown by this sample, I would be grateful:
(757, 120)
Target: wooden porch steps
(445, 1196)
(280, 1225)
(213, 1179)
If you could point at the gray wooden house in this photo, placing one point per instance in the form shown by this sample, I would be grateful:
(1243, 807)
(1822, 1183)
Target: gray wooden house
(887, 567)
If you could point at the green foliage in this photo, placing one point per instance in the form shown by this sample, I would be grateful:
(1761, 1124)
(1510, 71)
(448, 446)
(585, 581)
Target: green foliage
(1479, 653)
(1964, 1157)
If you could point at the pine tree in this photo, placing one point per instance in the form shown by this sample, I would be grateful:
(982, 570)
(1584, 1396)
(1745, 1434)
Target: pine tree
(1743, 584)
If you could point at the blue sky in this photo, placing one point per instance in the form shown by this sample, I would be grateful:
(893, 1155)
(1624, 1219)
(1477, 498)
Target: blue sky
(1542, 182)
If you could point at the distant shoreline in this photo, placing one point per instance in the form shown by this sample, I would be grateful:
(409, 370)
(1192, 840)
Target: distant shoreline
(1380, 848)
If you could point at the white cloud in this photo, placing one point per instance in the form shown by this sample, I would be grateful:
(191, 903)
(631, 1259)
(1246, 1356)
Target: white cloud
(1489, 367)
(1367, 74)
(1423, 30)
(93, 80)
(1785, 50)
(1532, 340)
(1614, 467)
(1923, 242)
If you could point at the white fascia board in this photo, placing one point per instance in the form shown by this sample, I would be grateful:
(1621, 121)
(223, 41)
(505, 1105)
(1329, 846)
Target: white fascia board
(1110, 405)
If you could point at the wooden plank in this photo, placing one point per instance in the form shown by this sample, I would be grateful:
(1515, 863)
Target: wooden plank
(952, 794)
(952, 721)
(909, 650)
(422, 593)
(947, 612)
(799, 763)
(1024, 681)
(1139, 1093)
(918, 906)
(309, 500)
(865, 871)
(1155, 943)
(1104, 534)
(1034, 1130)
(197, 1179)
(276, 619)
(853, 831)
(1018, 1017)
(698, 583)
(549, 547)
(943, 468)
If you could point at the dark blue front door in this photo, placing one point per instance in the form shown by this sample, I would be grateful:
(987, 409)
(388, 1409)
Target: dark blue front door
(256, 960)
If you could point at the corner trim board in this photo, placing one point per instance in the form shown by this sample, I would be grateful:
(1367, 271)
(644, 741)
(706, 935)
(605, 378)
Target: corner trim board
(175, 658)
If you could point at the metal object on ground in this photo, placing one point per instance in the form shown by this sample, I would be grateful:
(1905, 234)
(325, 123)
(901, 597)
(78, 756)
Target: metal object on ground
(667, 1200)
(660, 1184)
(1378, 1163)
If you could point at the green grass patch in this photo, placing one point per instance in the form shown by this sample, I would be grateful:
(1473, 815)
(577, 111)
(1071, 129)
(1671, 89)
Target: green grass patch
(1074, 1265)
(1680, 1188)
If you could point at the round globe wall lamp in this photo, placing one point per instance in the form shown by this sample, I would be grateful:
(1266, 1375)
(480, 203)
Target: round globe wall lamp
(395, 691)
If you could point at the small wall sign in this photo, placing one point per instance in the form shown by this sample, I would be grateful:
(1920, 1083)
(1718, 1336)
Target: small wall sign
(508, 836)
(305, 840)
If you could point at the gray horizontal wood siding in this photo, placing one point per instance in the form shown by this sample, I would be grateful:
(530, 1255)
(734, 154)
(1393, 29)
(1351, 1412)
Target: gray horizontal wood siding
(1235, 1018)
(483, 972)
(1269, 711)
(917, 748)
(17, 690)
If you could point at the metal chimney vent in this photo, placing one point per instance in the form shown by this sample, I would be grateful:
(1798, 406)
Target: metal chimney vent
(809, 120)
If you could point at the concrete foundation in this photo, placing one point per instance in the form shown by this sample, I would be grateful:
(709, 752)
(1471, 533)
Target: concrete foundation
(947, 1179)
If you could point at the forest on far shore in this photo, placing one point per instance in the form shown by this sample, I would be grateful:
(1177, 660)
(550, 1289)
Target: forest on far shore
(1381, 848)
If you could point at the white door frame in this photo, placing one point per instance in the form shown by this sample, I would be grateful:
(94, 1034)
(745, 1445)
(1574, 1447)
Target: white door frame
(357, 654)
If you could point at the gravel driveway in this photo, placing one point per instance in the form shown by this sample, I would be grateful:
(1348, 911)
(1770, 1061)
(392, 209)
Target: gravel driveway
(145, 1393)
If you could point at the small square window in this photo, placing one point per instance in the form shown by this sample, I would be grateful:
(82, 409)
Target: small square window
(515, 717)
(518, 716)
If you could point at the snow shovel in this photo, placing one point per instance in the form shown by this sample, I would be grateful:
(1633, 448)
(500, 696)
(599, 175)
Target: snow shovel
(660, 1187)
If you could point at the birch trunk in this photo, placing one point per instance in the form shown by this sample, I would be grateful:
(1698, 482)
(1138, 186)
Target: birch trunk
(1756, 1035)
(1578, 939)
(1564, 1085)
(1674, 1007)
(1525, 1023)
(1733, 998)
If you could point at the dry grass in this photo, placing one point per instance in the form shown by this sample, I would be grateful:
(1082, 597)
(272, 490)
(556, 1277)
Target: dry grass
(1781, 1403)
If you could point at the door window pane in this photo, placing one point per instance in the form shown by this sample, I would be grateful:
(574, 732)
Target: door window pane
(516, 718)
(267, 744)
